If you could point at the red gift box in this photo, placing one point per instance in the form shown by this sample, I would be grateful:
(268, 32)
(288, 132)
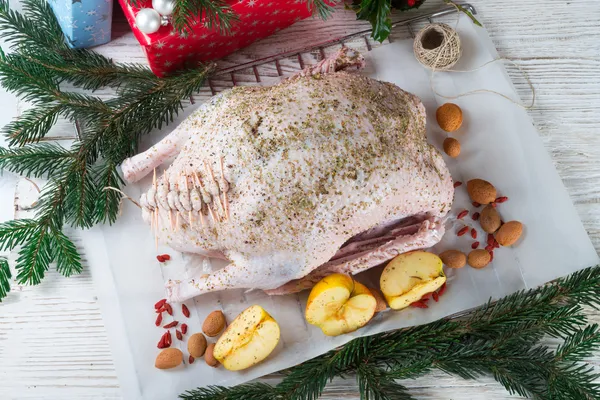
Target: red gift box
(168, 50)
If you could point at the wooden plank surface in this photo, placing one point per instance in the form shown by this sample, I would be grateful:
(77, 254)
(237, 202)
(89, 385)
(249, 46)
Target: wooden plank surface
(53, 343)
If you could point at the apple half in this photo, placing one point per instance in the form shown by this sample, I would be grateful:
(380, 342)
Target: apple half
(409, 276)
(248, 340)
(338, 304)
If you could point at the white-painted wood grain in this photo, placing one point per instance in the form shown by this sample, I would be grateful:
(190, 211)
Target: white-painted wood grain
(53, 343)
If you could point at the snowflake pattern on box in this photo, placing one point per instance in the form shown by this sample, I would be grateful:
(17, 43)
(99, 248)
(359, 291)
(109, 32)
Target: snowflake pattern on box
(168, 50)
(85, 23)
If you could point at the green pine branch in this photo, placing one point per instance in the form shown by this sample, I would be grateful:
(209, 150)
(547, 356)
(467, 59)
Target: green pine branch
(501, 339)
(38, 68)
(5, 277)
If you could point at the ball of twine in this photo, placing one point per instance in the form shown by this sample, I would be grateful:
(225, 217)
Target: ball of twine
(437, 46)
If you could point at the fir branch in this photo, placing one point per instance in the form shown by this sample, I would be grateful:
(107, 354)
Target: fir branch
(16, 232)
(215, 14)
(106, 207)
(36, 161)
(68, 261)
(323, 8)
(35, 257)
(5, 277)
(37, 70)
(32, 125)
(491, 340)
(250, 391)
(32, 29)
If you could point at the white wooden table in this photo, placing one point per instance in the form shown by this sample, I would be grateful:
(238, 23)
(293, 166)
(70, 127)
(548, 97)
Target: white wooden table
(53, 343)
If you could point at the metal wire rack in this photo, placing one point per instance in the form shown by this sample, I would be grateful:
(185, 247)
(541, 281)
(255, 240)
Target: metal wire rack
(253, 72)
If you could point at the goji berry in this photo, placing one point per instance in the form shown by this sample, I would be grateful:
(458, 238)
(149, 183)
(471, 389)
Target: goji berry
(160, 303)
(171, 325)
(185, 310)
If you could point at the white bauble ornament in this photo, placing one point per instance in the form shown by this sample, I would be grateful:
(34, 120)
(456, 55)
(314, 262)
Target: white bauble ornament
(164, 7)
(148, 20)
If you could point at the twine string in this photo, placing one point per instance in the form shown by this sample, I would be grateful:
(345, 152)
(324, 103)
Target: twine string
(447, 54)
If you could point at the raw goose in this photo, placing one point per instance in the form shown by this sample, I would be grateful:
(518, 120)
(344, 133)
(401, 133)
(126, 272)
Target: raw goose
(325, 172)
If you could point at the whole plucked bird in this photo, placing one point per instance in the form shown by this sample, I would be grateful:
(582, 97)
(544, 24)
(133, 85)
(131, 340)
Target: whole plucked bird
(328, 171)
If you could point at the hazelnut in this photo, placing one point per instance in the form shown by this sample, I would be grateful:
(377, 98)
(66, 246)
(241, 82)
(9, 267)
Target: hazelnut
(449, 117)
(452, 147)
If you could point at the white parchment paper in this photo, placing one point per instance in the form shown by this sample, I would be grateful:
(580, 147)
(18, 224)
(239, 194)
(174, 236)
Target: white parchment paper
(499, 144)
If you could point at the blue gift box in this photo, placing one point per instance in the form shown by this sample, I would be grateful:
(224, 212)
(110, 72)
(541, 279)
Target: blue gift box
(85, 23)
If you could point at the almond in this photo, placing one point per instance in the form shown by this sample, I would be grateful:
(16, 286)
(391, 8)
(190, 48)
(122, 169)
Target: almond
(196, 345)
(452, 147)
(490, 219)
(449, 117)
(381, 304)
(509, 233)
(453, 258)
(214, 323)
(209, 358)
(479, 258)
(168, 358)
(481, 191)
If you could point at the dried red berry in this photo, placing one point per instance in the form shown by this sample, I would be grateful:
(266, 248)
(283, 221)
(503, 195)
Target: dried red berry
(168, 308)
(501, 199)
(178, 334)
(166, 257)
(160, 303)
(462, 214)
(490, 239)
(191, 360)
(419, 304)
(184, 328)
(158, 319)
(436, 296)
(185, 310)
(493, 204)
(476, 204)
(168, 338)
(457, 184)
(491, 256)
(442, 289)
(475, 245)
(462, 231)
(160, 259)
(473, 233)
(171, 325)
(475, 216)
(489, 247)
